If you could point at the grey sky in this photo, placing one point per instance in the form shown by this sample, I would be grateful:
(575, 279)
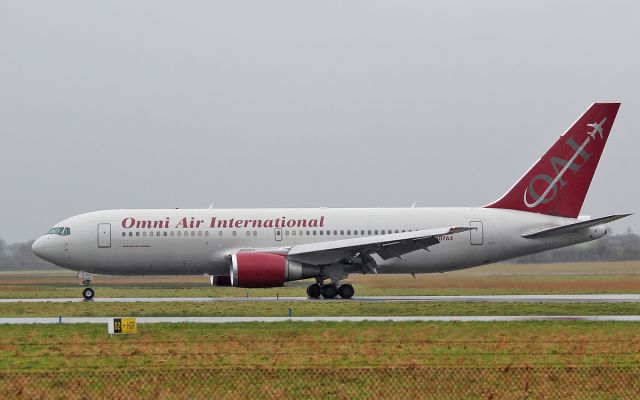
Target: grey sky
(154, 104)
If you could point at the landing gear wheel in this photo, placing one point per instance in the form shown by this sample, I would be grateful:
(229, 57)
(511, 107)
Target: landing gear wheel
(314, 291)
(346, 291)
(88, 293)
(329, 291)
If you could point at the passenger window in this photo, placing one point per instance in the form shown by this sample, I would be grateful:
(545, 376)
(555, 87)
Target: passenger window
(248, 233)
(396, 231)
(375, 232)
(206, 233)
(362, 233)
(193, 233)
(234, 233)
(342, 232)
(137, 233)
(286, 233)
(321, 232)
(130, 233)
(314, 233)
(150, 233)
(165, 233)
(369, 232)
(300, 233)
(307, 233)
(348, 232)
(179, 233)
(172, 233)
(199, 233)
(124, 233)
(255, 233)
(328, 233)
(293, 233)
(144, 233)
(219, 233)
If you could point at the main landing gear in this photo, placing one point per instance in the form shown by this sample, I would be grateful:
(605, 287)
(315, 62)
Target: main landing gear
(330, 291)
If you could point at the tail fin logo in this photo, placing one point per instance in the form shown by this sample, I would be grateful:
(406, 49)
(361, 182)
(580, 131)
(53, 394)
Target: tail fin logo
(597, 128)
(552, 189)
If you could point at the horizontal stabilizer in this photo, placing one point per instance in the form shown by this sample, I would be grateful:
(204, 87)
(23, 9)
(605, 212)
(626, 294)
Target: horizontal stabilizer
(560, 230)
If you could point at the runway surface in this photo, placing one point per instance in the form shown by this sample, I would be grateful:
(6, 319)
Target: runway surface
(226, 320)
(531, 298)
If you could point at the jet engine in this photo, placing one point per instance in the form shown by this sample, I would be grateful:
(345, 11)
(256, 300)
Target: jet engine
(264, 270)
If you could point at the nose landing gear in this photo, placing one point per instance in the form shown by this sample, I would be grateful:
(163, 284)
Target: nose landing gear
(88, 292)
(330, 290)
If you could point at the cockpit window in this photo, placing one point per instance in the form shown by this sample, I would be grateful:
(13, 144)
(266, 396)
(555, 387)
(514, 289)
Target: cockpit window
(58, 230)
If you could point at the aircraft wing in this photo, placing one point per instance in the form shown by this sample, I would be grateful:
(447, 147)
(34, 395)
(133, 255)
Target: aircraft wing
(385, 246)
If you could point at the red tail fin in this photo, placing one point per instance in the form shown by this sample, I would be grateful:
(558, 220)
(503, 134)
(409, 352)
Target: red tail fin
(558, 182)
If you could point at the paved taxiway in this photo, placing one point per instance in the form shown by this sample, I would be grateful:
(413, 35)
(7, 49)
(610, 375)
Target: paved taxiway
(226, 320)
(529, 298)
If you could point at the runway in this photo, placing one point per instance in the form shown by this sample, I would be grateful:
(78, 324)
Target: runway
(228, 320)
(530, 298)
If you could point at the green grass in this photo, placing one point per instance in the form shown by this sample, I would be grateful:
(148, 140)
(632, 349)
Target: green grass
(69, 347)
(314, 308)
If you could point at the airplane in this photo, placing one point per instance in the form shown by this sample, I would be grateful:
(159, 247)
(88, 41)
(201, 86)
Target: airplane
(261, 248)
(597, 128)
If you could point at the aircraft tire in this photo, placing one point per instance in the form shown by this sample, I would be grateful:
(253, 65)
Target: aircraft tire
(314, 291)
(329, 291)
(346, 291)
(88, 293)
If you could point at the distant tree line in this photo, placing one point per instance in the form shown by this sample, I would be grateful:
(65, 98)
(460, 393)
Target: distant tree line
(18, 256)
(623, 247)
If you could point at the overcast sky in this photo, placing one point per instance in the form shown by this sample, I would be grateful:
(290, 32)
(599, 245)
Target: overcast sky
(160, 104)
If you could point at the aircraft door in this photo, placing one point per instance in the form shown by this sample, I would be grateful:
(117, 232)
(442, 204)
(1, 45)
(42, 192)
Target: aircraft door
(477, 235)
(104, 235)
(278, 234)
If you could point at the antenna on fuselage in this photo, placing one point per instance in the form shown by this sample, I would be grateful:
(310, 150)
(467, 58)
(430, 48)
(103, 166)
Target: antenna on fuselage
(210, 206)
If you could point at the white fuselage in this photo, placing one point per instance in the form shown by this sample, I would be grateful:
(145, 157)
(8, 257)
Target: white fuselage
(201, 241)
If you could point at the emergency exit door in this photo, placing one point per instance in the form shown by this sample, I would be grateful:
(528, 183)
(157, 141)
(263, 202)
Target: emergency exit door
(104, 235)
(278, 234)
(477, 235)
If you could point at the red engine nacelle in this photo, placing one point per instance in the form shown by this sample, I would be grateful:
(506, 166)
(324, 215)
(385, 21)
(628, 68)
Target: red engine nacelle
(263, 270)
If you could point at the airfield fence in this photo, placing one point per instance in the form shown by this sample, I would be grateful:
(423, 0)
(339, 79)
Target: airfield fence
(407, 382)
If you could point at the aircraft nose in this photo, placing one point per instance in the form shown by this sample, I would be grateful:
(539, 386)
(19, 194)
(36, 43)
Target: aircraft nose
(42, 248)
(37, 247)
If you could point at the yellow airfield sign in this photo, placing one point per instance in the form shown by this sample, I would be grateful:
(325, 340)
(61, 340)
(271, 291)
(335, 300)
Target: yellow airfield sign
(122, 326)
